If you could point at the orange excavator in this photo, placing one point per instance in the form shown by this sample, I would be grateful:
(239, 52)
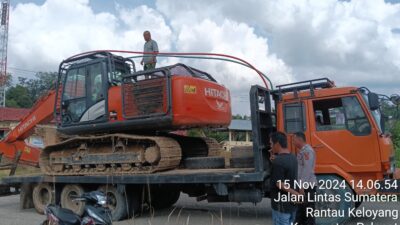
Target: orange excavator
(114, 119)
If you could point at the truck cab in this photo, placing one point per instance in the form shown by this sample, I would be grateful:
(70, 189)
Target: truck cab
(345, 127)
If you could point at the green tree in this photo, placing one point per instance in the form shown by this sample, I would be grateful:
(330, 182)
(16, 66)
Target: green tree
(395, 131)
(38, 86)
(28, 90)
(18, 97)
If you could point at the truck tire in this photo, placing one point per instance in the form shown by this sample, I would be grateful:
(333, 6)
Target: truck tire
(242, 151)
(162, 198)
(116, 201)
(42, 195)
(204, 162)
(243, 162)
(341, 205)
(68, 193)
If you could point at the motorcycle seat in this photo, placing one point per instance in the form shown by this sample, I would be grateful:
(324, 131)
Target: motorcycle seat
(66, 216)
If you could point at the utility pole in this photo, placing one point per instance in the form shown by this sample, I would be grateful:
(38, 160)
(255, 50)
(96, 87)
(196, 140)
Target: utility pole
(5, 9)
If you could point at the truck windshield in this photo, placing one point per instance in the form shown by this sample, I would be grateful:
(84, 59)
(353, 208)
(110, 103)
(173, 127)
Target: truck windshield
(376, 114)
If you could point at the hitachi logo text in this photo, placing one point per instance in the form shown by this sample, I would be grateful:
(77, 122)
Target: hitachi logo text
(216, 93)
(26, 124)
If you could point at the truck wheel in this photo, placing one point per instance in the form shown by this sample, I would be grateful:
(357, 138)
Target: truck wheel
(204, 162)
(243, 162)
(68, 193)
(162, 198)
(42, 195)
(116, 202)
(341, 205)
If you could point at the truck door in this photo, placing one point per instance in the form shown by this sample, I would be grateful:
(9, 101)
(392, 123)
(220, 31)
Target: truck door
(83, 99)
(342, 135)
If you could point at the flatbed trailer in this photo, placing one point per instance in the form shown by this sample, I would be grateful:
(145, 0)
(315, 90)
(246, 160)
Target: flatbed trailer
(177, 176)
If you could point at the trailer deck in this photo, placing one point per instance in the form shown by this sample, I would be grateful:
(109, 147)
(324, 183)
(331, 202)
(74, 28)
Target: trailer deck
(177, 176)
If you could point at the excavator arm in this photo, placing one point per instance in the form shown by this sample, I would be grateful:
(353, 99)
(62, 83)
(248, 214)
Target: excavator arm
(41, 112)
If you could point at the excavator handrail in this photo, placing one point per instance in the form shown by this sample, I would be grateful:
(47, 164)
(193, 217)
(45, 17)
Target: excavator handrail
(261, 75)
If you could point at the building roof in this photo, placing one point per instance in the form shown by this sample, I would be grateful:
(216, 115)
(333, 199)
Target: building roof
(243, 125)
(12, 114)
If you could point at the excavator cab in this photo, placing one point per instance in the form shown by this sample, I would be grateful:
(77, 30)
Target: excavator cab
(83, 85)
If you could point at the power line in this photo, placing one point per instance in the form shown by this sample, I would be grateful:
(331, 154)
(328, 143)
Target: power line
(25, 70)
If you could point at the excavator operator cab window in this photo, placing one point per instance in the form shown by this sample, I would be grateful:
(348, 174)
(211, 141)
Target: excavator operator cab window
(83, 99)
(74, 96)
(96, 83)
(341, 114)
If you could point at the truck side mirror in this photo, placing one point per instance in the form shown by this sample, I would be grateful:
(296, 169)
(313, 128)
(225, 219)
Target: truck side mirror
(373, 100)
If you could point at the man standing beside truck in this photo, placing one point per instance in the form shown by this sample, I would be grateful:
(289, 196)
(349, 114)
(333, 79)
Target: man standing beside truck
(283, 175)
(306, 174)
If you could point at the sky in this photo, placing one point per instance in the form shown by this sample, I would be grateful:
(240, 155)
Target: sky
(354, 43)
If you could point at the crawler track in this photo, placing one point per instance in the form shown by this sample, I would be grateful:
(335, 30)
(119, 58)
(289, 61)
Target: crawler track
(111, 154)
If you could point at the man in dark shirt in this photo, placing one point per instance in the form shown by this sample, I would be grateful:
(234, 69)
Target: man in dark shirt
(283, 175)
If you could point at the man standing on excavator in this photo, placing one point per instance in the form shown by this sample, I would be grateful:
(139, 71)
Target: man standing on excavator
(150, 46)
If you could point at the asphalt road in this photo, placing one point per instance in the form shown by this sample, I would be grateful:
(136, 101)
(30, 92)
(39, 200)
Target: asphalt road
(187, 211)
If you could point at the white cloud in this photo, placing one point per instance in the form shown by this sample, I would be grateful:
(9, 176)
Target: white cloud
(237, 39)
(41, 36)
(351, 41)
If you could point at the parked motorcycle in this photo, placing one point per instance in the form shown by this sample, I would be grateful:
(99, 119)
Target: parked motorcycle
(94, 213)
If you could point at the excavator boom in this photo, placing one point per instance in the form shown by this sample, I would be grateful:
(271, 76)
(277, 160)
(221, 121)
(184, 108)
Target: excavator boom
(41, 112)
